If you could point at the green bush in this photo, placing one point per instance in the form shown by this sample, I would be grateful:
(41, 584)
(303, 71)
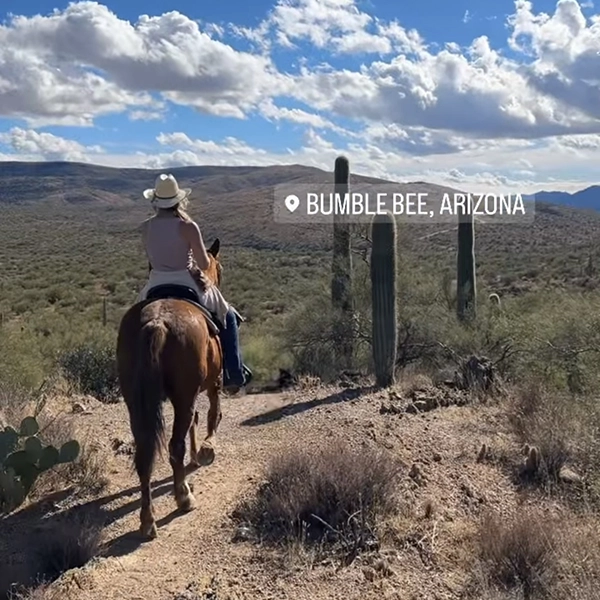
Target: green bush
(22, 362)
(262, 352)
(92, 369)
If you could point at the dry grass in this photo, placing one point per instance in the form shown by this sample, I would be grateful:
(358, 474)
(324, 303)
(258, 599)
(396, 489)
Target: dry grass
(563, 429)
(40, 592)
(68, 545)
(533, 556)
(519, 555)
(87, 475)
(334, 495)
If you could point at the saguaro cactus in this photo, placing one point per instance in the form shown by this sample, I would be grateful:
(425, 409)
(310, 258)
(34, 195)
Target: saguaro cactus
(341, 271)
(383, 289)
(466, 285)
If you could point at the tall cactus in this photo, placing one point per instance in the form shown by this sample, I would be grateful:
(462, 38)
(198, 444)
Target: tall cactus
(466, 284)
(341, 271)
(383, 289)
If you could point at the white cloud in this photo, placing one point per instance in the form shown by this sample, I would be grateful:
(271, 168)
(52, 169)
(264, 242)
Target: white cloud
(415, 109)
(337, 25)
(84, 61)
(579, 142)
(46, 146)
(272, 112)
(480, 94)
(566, 51)
(146, 115)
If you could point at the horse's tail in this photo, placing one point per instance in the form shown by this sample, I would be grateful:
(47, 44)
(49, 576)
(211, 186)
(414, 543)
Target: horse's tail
(147, 422)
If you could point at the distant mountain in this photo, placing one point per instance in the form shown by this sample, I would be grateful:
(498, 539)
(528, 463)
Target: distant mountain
(587, 199)
(236, 204)
(233, 202)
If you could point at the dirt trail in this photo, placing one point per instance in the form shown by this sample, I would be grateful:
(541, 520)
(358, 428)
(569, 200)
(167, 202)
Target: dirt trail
(196, 551)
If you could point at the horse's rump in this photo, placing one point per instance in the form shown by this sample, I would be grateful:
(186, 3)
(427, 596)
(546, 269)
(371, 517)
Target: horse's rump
(190, 353)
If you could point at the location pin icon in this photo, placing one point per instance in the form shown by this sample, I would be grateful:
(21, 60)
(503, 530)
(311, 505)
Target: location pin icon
(292, 202)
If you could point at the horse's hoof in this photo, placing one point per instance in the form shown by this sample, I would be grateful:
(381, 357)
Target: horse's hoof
(194, 464)
(206, 456)
(187, 503)
(149, 531)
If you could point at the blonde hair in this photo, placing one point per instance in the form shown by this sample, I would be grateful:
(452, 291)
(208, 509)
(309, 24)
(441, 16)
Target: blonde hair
(179, 210)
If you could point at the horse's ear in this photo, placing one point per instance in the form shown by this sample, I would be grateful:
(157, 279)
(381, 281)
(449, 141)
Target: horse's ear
(214, 249)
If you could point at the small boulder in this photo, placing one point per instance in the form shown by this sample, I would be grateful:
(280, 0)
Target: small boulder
(567, 475)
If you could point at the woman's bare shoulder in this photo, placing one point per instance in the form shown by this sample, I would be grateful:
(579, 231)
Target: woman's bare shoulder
(189, 226)
(143, 226)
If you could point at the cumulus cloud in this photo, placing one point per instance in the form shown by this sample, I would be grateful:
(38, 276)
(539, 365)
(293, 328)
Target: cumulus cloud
(480, 94)
(85, 61)
(230, 146)
(46, 146)
(566, 51)
(272, 112)
(409, 108)
(517, 165)
(337, 25)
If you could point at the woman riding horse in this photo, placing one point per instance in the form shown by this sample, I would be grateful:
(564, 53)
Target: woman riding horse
(166, 348)
(173, 243)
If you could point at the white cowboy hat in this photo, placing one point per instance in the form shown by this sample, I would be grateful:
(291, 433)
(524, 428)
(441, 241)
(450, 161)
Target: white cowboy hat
(166, 192)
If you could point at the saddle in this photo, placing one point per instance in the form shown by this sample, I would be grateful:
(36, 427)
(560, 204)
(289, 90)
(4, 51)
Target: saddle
(182, 292)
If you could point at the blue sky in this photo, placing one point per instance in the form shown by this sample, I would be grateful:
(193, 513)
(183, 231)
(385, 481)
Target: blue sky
(501, 93)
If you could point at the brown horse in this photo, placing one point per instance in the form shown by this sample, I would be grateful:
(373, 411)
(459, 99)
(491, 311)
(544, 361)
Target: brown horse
(165, 349)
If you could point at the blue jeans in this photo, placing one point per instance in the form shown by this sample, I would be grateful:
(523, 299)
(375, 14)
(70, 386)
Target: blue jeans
(235, 373)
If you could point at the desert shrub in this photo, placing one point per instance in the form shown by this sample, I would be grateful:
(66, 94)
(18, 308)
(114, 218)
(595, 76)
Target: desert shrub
(13, 402)
(38, 592)
(68, 546)
(309, 339)
(262, 352)
(331, 495)
(86, 475)
(563, 428)
(310, 336)
(92, 369)
(531, 556)
(519, 554)
(22, 363)
(558, 334)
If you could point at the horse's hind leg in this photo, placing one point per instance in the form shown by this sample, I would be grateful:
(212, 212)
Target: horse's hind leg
(144, 469)
(207, 450)
(184, 415)
(194, 440)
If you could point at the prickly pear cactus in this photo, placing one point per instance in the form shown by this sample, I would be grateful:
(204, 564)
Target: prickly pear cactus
(23, 457)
